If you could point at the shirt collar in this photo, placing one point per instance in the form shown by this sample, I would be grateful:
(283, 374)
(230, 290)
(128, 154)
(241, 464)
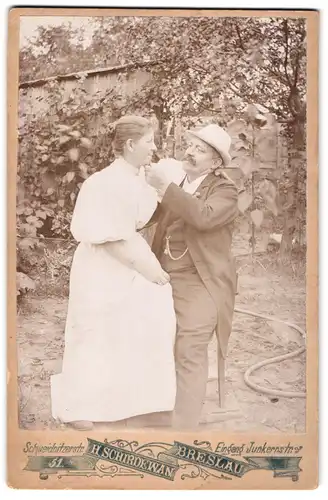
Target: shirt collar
(121, 163)
(191, 187)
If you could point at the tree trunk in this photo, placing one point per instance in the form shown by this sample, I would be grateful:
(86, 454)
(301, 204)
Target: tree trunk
(296, 146)
(158, 110)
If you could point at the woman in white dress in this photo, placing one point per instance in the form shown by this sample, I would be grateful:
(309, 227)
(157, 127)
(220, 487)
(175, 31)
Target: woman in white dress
(120, 328)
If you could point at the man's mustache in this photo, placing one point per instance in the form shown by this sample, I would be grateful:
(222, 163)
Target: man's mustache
(189, 159)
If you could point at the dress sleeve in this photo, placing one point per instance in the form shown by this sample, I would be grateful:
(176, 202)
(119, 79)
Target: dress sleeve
(104, 211)
(147, 201)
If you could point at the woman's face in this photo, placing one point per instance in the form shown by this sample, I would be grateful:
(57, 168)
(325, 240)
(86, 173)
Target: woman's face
(140, 152)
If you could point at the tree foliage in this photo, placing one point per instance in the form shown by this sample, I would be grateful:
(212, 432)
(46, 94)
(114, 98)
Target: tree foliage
(246, 74)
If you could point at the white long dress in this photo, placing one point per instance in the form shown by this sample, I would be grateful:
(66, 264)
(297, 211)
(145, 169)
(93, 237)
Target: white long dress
(120, 330)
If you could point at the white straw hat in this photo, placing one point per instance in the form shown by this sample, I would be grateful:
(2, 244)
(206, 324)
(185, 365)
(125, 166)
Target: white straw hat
(216, 137)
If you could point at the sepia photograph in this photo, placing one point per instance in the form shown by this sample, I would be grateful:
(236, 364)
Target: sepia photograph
(162, 296)
(161, 223)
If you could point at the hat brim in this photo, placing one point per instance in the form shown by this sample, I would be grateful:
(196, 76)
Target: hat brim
(226, 158)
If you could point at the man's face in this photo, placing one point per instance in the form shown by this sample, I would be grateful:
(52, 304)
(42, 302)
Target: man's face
(199, 157)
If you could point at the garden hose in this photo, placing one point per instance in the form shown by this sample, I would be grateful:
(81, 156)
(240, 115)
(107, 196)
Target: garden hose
(275, 359)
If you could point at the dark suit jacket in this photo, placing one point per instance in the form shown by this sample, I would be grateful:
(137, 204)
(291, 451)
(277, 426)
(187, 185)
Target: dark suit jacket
(208, 227)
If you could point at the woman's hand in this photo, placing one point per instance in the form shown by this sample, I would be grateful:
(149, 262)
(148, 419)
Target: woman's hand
(136, 254)
(162, 278)
(155, 274)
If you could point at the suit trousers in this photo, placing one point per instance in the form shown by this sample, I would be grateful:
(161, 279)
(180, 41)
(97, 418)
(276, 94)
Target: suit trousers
(196, 321)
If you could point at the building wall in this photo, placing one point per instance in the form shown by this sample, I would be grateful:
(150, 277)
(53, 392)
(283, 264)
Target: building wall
(34, 100)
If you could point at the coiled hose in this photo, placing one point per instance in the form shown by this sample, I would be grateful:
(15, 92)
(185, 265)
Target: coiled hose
(275, 359)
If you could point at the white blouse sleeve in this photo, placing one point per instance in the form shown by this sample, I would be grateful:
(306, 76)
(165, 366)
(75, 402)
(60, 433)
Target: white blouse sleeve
(147, 203)
(104, 211)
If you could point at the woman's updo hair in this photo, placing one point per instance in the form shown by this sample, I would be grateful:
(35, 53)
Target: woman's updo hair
(128, 127)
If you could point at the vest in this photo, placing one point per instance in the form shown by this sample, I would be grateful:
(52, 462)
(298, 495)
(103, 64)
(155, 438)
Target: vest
(177, 247)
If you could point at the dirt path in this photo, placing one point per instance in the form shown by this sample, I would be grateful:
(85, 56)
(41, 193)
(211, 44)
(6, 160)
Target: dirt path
(40, 338)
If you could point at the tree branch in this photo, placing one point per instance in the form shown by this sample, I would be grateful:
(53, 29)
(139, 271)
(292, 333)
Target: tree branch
(198, 68)
(241, 44)
(279, 77)
(286, 33)
(247, 98)
(235, 91)
(216, 111)
(297, 62)
(297, 66)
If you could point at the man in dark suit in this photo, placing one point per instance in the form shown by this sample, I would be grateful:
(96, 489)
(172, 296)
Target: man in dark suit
(193, 243)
